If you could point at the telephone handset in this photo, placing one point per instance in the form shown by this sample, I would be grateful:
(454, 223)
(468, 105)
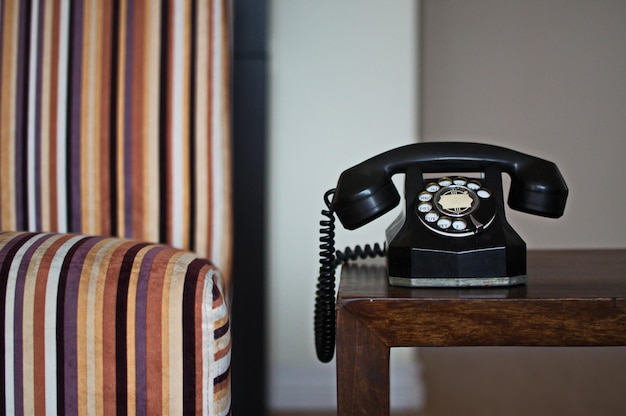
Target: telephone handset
(453, 231)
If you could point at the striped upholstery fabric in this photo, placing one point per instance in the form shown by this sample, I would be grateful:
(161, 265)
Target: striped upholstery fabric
(114, 122)
(92, 325)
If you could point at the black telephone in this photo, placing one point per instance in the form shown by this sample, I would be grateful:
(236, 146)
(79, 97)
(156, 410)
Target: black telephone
(453, 231)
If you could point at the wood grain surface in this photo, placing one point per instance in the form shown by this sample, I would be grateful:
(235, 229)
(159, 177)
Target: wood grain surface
(573, 298)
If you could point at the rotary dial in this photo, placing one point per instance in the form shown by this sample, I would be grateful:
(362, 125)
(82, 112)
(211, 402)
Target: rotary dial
(456, 207)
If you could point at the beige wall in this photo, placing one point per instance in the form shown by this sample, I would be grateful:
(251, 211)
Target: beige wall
(343, 87)
(543, 77)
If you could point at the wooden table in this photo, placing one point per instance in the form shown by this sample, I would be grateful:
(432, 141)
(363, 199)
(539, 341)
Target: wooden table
(573, 298)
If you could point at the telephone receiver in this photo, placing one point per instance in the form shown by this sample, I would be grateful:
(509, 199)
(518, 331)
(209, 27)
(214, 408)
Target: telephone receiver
(453, 231)
(365, 191)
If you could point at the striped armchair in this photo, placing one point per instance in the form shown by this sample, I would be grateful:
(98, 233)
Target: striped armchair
(115, 214)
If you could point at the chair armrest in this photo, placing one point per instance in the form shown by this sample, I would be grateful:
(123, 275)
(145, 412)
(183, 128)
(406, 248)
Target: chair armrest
(106, 324)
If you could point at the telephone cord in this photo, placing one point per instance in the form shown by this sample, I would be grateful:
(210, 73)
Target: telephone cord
(325, 294)
(359, 253)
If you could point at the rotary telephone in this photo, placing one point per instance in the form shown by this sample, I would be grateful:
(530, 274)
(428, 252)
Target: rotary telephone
(453, 231)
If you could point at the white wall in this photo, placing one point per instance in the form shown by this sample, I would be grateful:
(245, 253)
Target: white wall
(546, 77)
(343, 88)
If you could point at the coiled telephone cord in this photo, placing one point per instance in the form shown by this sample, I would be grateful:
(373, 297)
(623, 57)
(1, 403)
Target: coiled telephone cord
(325, 294)
(359, 253)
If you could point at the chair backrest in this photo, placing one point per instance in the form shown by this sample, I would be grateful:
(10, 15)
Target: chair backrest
(114, 120)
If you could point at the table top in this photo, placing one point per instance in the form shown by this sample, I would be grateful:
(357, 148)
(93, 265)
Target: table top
(573, 297)
(558, 274)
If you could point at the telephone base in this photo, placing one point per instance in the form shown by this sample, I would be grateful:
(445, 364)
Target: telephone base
(458, 281)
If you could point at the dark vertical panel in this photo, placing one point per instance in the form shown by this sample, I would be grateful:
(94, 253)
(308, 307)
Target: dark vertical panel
(249, 132)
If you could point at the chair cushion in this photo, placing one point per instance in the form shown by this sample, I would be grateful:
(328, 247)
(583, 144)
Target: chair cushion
(108, 325)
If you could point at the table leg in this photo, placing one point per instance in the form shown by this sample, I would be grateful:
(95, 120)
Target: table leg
(362, 369)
